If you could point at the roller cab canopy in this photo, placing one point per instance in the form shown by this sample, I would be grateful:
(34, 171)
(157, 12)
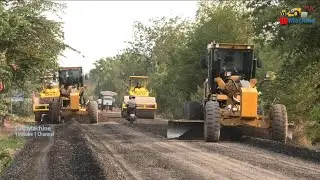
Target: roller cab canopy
(108, 93)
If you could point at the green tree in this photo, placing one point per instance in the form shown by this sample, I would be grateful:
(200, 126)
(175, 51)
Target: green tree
(29, 40)
(297, 82)
(169, 51)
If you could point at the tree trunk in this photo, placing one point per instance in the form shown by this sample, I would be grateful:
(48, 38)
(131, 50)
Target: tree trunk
(2, 118)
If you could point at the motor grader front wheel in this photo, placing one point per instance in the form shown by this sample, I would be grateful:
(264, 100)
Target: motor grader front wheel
(212, 118)
(279, 123)
(93, 112)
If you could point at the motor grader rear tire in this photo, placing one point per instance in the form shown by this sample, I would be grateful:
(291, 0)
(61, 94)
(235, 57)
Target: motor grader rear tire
(212, 122)
(192, 110)
(279, 123)
(93, 112)
(54, 114)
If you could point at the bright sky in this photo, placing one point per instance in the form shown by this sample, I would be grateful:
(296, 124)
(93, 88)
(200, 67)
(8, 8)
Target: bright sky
(99, 28)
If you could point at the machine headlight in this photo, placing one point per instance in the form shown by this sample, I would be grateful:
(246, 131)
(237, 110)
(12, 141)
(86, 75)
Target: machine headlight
(228, 73)
(249, 47)
(217, 45)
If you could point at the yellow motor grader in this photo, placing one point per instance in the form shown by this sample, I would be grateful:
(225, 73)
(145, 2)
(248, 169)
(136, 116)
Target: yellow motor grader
(147, 105)
(61, 97)
(230, 98)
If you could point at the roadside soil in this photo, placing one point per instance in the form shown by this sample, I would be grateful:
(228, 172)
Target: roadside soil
(65, 155)
(114, 149)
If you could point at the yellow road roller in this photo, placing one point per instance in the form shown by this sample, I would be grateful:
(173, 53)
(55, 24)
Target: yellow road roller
(147, 105)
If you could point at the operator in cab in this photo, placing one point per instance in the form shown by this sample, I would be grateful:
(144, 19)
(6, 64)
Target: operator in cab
(50, 85)
(138, 86)
(70, 78)
(83, 95)
(63, 91)
(228, 66)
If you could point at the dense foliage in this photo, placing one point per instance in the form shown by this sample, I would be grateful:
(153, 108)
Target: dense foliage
(297, 48)
(28, 40)
(168, 50)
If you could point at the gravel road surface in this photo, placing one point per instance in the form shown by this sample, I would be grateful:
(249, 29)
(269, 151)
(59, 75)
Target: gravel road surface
(114, 149)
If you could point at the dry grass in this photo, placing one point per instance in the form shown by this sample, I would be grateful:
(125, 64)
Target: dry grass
(9, 145)
(22, 120)
(299, 136)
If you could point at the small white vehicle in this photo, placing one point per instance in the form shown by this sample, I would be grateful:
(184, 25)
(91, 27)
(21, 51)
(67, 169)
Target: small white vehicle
(107, 103)
(106, 100)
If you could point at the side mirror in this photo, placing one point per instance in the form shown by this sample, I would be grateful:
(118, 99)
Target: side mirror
(259, 63)
(270, 76)
(86, 77)
(203, 62)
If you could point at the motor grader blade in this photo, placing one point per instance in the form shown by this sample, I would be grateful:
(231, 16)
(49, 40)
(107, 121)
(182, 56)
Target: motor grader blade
(185, 129)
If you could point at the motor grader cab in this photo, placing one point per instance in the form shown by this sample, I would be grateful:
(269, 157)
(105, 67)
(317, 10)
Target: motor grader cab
(66, 99)
(230, 98)
(146, 105)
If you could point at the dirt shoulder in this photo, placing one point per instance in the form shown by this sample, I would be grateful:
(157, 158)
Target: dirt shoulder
(62, 156)
(8, 148)
(142, 151)
(10, 144)
(116, 150)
